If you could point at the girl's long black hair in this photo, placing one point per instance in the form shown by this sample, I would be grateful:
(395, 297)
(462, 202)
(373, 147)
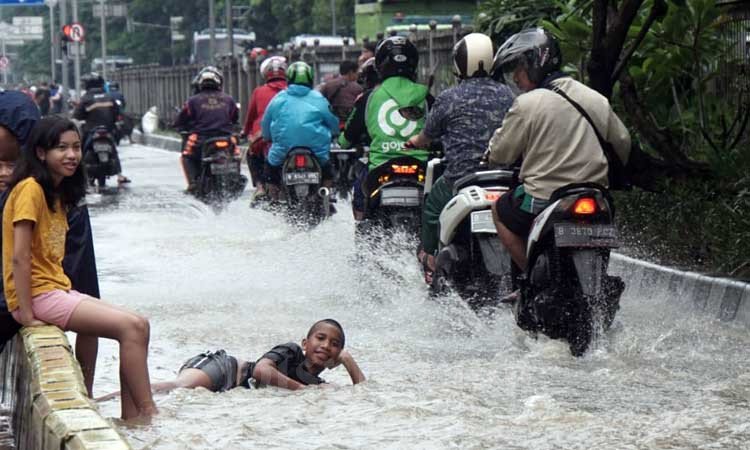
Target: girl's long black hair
(46, 135)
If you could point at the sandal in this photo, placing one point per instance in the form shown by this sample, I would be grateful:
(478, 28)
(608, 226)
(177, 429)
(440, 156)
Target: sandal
(428, 265)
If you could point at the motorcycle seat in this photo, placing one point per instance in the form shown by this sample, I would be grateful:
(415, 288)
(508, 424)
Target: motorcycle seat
(484, 178)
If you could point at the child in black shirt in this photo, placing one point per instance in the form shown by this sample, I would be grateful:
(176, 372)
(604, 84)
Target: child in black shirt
(287, 365)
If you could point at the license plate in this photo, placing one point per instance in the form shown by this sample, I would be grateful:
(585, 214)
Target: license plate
(582, 235)
(481, 222)
(302, 178)
(102, 147)
(222, 169)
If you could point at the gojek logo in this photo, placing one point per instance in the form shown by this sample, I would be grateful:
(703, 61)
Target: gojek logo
(391, 122)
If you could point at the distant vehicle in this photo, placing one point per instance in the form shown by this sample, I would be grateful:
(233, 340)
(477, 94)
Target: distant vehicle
(113, 62)
(202, 43)
(323, 41)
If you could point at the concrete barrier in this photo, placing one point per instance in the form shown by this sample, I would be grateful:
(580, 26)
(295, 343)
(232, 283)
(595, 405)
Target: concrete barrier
(43, 390)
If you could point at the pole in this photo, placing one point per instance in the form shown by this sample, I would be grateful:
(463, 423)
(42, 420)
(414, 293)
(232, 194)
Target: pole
(5, 69)
(230, 27)
(64, 56)
(53, 38)
(104, 39)
(333, 17)
(212, 27)
(77, 60)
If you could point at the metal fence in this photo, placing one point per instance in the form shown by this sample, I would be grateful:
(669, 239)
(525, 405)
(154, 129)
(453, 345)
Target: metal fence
(167, 88)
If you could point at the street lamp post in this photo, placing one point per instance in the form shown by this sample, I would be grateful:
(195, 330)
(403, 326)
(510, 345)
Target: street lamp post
(104, 39)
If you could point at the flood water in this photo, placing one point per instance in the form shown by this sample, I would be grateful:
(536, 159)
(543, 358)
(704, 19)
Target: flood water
(439, 376)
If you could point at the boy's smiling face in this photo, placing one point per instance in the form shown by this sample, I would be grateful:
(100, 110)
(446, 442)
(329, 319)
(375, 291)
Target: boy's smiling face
(323, 344)
(9, 150)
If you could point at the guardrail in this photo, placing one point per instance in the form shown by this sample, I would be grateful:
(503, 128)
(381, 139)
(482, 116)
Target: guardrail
(42, 388)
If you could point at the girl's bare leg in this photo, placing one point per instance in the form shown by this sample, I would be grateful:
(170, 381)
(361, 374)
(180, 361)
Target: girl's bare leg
(87, 348)
(97, 318)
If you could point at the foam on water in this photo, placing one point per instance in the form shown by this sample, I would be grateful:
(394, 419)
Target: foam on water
(439, 375)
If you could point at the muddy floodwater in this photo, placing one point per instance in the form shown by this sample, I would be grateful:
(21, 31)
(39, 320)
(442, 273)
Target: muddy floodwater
(439, 375)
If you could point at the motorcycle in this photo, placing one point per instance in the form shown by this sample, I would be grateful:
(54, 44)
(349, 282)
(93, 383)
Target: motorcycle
(566, 292)
(394, 194)
(100, 157)
(302, 184)
(471, 258)
(219, 178)
(343, 162)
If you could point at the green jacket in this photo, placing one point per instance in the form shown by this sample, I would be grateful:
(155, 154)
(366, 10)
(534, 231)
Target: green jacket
(386, 126)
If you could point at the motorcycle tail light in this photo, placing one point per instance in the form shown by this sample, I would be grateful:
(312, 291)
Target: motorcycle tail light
(492, 196)
(404, 170)
(300, 161)
(584, 206)
(221, 144)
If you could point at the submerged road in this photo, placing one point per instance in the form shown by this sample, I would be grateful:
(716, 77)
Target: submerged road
(439, 375)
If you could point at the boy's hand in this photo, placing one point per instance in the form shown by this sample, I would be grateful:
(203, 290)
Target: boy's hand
(332, 363)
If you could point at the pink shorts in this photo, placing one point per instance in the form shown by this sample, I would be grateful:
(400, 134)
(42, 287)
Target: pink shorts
(54, 307)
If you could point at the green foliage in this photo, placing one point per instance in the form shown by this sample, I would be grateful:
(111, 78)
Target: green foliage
(502, 18)
(276, 21)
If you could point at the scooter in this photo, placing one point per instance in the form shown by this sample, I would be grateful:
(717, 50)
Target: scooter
(219, 179)
(471, 260)
(566, 292)
(302, 184)
(100, 157)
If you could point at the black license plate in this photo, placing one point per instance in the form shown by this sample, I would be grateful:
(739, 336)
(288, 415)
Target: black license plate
(585, 235)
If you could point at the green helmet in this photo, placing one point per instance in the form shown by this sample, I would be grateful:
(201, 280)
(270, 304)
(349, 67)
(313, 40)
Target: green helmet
(300, 73)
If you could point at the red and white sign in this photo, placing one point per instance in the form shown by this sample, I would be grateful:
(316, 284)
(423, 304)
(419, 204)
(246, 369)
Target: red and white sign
(4, 62)
(77, 32)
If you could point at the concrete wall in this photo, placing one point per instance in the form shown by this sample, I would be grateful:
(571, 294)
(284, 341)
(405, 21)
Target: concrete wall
(42, 387)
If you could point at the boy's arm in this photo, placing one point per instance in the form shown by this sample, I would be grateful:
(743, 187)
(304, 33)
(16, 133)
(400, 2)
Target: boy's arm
(266, 372)
(347, 360)
(22, 232)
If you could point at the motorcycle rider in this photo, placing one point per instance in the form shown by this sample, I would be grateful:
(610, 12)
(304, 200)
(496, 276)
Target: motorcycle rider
(209, 113)
(557, 144)
(117, 95)
(463, 118)
(342, 91)
(97, 108)
(396, 60)
(355, 131)
(273, 71)
(298, 117)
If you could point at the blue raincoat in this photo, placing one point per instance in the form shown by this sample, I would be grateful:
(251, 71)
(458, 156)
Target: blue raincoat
(299, 117)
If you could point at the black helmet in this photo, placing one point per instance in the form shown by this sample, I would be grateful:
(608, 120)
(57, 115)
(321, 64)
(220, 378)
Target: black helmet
(92, 81)
(472, 56)
(535, 48)
(396, 56)
(368, 76)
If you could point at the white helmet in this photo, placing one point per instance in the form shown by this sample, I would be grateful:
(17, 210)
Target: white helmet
(210, 77)
(273, 68)
(472, 56)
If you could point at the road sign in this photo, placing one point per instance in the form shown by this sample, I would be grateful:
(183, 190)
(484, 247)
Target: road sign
(21, 2)
(118, 10)
(28, 28)
(75, 32)
(4, 62)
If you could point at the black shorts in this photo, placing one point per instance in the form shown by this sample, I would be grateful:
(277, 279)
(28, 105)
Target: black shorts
(273, 173)
(220, 368)
(510, 214)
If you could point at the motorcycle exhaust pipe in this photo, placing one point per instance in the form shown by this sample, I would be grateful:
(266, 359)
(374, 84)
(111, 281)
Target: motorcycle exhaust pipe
(324, 193)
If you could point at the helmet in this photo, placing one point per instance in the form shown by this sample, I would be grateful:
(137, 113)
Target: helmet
(396, 56)
(273, 68)
(535, 49)
(210, 78)
(368, 76)
(300, 73)
(472, 56)
(92, 81)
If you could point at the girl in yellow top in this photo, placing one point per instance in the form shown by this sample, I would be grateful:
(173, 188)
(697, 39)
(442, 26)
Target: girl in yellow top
(47, 181)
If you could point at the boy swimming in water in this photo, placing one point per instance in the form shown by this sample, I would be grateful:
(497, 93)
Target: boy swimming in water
(288, 366)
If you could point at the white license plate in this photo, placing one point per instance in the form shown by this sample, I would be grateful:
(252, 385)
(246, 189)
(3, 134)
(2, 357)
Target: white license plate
(222, 169)
(481, 222)
(585, 235)
(302, 178)
(102, 147)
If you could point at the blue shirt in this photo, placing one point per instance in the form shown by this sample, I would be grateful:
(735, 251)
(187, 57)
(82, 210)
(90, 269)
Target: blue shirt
(464, 118)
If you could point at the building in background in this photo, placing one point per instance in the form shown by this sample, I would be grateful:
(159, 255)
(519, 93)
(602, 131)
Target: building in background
(375, 16)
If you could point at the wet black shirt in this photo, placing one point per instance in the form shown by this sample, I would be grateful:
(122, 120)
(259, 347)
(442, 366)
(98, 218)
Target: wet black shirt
(289, 360)
(97, 108)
